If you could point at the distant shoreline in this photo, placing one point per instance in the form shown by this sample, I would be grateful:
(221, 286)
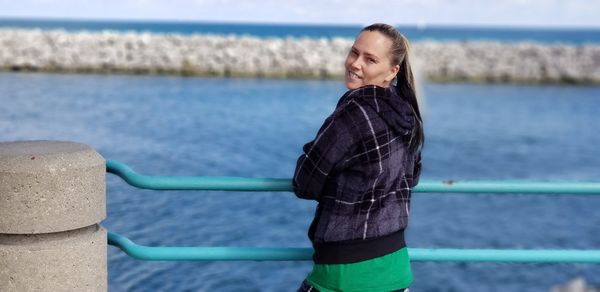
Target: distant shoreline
(309, 58)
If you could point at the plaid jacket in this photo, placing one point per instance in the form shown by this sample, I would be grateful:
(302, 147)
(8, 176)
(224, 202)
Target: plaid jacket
(360, 171)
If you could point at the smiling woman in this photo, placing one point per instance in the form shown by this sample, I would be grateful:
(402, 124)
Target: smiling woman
(361, 168)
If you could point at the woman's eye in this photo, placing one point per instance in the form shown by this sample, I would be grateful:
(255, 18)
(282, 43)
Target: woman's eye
(371, 60)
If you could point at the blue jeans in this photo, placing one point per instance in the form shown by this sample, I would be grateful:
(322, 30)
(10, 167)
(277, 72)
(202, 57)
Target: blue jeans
(306, 287)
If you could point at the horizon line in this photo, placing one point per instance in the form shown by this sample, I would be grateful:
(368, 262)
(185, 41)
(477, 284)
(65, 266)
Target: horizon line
(422, 25)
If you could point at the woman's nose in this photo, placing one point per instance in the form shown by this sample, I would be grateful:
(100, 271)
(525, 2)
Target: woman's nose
(356, 63)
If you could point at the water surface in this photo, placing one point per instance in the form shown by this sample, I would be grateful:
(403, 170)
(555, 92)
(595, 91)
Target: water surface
(256, 128)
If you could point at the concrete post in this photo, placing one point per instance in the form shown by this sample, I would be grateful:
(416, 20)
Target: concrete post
(52, 197)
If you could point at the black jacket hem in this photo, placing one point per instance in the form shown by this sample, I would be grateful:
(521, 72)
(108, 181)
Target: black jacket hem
(352, 251)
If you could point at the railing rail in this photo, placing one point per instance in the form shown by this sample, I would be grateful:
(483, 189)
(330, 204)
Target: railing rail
(190, 253)
(283, 185)
(175, 253)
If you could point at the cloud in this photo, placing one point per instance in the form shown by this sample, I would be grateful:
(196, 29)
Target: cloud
(457, 12)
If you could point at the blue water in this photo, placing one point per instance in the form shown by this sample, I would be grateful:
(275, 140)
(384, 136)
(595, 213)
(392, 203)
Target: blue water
(445, 33)
(255, 128)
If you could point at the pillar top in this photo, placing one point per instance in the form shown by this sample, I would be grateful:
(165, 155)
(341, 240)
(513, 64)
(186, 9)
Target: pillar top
(50, 186)
(30, 156)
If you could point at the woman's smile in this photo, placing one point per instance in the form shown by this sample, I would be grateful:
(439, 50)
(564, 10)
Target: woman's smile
(353, 75)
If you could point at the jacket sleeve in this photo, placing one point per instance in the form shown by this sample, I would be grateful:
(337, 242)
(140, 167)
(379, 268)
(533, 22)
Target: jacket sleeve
(321, 155)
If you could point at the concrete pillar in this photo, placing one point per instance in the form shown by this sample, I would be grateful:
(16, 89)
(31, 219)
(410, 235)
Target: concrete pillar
(52, 197)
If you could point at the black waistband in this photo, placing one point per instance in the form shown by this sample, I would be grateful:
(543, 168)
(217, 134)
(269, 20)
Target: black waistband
(351, 251)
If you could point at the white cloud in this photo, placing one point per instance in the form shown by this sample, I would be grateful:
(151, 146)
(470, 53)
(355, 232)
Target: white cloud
(457, 12)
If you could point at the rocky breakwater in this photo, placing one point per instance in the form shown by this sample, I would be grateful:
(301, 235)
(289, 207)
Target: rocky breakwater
(216, 55)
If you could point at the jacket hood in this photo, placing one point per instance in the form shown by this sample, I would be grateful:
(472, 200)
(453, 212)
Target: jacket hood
(388, 104)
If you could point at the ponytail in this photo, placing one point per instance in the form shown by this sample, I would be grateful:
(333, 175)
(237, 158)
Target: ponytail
(405, 86)
(405, 81)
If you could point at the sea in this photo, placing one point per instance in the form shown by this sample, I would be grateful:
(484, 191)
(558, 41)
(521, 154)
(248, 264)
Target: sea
(199, 126)
(552, 35)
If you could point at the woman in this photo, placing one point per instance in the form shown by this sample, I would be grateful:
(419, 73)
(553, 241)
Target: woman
(361, 168)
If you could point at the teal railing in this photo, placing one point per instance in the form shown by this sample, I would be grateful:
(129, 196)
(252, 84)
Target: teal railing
(175, 253)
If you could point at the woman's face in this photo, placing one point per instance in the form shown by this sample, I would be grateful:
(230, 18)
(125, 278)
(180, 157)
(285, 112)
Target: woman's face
(368, 62)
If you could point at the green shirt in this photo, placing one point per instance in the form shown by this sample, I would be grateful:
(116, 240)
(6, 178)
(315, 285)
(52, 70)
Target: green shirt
(383, 274)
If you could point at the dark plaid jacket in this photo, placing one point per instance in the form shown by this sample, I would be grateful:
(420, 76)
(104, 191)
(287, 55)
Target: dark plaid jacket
(360, 171)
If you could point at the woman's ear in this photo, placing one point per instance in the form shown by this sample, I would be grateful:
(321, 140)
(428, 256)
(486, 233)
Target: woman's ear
(393, 72)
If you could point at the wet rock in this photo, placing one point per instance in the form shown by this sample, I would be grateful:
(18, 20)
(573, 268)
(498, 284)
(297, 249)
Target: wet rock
(576, 285)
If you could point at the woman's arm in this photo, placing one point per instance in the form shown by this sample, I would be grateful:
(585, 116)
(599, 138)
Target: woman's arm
(320, 156)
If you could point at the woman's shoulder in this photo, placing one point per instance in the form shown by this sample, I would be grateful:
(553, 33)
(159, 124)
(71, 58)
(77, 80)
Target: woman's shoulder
(360, 94)
(370, 91)
(378, 103)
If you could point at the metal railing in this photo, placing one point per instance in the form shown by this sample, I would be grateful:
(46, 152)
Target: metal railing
(175, 253)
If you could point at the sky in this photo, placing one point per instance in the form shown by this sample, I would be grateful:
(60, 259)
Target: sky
(528, 13)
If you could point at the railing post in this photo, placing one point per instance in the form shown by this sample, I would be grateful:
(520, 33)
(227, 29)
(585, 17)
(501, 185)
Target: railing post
(52, 197)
